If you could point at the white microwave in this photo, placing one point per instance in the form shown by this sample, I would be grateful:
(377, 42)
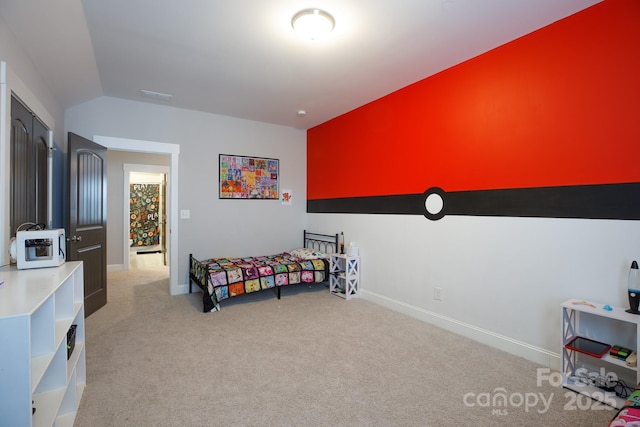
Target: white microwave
(40, 248)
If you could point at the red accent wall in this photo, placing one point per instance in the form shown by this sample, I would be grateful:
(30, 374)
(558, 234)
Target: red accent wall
(559, 106)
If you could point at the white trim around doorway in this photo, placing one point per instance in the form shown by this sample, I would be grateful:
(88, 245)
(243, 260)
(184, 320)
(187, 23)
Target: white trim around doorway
(124, 144)
(128, 168)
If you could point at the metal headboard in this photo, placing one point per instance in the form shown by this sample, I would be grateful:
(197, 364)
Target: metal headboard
(326, 243)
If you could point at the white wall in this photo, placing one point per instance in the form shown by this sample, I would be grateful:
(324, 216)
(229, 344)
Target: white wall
(502, 279)
(216, 227)
(30, 88)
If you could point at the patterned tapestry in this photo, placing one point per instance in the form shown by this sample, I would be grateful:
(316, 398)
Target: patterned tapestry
(144, 200)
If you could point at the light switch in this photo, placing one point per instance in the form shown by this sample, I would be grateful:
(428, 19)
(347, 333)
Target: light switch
(185, 214)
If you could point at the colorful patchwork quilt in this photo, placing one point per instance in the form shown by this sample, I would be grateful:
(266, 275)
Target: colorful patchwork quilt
(629, 415)
(222, 278)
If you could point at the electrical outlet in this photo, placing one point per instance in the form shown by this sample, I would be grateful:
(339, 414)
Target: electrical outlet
(437, 294)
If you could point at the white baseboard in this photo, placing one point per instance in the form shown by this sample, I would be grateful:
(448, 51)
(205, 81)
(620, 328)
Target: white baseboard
(519, 348)
(115, 267)
(184, 289)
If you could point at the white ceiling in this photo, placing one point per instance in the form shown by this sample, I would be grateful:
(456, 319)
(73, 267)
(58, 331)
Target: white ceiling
(241, 58)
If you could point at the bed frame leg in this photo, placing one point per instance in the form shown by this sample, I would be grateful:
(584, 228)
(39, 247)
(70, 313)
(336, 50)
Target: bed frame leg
(190, 281)
(278, 292)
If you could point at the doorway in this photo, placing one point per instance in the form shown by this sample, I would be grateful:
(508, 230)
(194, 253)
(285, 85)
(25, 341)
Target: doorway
(173, 150)
(145, 216)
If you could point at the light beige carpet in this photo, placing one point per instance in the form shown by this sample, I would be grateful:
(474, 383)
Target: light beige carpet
(309, 359)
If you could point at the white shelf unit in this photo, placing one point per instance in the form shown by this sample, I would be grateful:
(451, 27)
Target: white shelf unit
(37, 309)
(344, 278)
(593, 321)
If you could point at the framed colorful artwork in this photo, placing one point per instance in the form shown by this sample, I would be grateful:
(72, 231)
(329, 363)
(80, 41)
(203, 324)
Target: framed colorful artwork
(243, 177)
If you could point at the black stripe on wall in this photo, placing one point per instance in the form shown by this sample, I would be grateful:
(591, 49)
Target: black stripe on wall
(408, 204)
(606, 201)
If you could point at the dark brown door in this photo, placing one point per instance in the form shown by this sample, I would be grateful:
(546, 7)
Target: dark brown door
(87, 217)
(29, 168)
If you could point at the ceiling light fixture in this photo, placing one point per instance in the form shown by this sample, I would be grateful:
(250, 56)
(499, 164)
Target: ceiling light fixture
(312, 23)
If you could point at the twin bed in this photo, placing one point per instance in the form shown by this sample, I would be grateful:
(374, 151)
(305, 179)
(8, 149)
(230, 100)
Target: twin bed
(222, 278)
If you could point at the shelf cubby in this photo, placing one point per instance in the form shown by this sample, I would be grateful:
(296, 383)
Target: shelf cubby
(37, 308)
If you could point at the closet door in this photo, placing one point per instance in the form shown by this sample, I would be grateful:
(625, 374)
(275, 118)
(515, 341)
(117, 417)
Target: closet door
(40, 170)
(22, 200)
(29, 165)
